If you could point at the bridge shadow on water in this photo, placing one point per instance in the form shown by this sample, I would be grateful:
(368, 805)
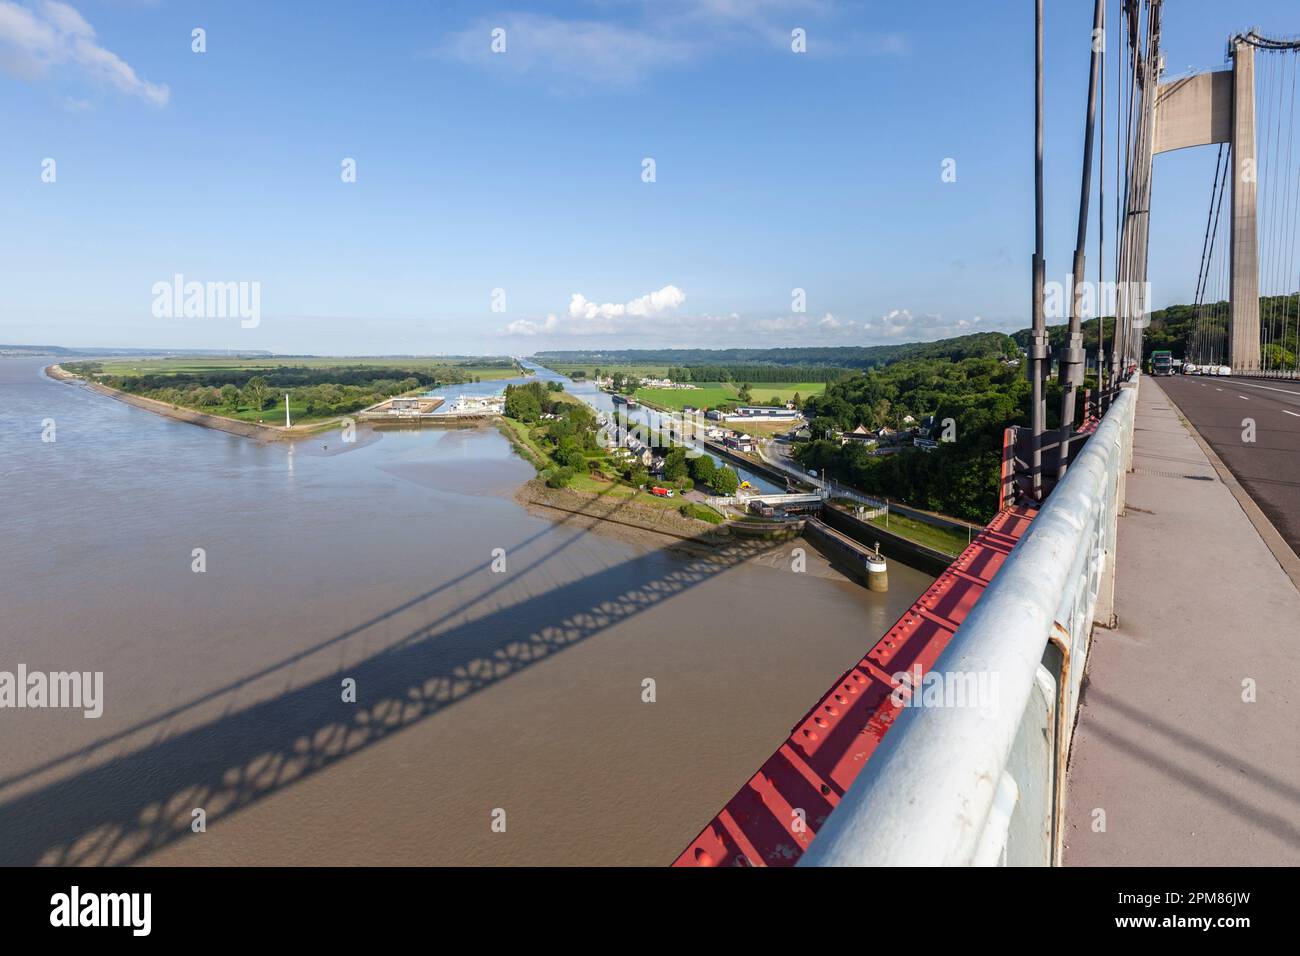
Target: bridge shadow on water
(129, 806)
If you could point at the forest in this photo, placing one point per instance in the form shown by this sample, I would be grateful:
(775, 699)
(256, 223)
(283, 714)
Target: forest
(981, 396)
(759, 363)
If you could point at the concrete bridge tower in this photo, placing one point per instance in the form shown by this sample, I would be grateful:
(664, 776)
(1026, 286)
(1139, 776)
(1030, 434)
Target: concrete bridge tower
(1219, 107)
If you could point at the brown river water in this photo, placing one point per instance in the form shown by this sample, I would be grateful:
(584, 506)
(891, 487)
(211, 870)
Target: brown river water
(476, 690)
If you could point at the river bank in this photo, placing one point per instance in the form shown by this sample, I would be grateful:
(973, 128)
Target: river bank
(177, 413)
(624, 516)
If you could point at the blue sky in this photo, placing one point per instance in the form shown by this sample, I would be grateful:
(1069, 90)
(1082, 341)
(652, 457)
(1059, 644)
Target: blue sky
(522, 171)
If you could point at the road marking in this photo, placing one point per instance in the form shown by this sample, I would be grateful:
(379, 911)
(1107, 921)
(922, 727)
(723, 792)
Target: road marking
(1270, 388)
(1218, 389)
(1296, 414)
(1243, 398)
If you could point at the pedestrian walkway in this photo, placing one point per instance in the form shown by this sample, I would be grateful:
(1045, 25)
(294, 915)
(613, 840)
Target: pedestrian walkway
(1187, 750)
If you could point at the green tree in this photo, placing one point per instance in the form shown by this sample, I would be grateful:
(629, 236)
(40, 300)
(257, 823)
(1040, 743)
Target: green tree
(569, 453)
(559, 477)
(675, 465)
(701, 469)
(229, 395)
(522, 405)
(725, 482)
(256, 392)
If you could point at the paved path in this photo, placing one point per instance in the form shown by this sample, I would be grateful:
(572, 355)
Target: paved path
(1185, 771)
(1268, 467)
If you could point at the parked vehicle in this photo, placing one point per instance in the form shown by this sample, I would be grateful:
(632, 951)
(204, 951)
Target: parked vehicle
(662, 492)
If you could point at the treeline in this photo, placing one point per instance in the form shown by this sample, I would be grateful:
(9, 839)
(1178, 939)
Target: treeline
(1175, 327)
(976, 345)
(281, 377)
(757, 373)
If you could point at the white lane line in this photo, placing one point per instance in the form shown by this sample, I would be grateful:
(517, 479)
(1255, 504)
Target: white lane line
(1296, 414)
(1243, 398)
(1270, 388)
(1218, 389)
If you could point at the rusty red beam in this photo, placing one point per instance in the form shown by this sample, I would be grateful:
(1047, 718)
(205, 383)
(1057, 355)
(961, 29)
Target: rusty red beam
(773, 818)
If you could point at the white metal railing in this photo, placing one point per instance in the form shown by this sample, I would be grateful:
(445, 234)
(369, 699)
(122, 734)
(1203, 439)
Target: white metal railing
(981, 781)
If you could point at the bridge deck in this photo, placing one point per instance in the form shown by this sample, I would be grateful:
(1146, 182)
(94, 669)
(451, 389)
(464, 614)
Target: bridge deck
(829, 746)
(1185, 771)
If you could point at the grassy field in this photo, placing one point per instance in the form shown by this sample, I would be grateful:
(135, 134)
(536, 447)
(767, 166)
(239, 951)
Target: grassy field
(500, 368)
(709, 395)
(621, 491)
(947, 540)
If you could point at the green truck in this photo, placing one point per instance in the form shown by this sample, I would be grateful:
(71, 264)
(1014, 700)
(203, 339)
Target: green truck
(1162, 362)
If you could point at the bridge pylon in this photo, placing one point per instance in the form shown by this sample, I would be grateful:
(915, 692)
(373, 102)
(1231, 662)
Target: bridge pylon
(1214, 107)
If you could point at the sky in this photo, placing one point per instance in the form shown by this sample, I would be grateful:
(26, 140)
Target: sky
(503, 202)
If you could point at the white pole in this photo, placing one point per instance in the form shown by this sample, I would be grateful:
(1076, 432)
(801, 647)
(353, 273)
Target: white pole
(286, 409)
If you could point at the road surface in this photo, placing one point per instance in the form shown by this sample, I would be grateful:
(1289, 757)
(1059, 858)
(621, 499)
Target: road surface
(1223, 410)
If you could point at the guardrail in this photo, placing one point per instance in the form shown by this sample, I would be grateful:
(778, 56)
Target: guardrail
(975, 773)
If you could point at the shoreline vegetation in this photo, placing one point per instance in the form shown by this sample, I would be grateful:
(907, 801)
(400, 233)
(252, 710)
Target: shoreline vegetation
(238, 395)
(179, 413)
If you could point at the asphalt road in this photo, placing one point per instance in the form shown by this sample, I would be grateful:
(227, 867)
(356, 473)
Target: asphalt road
(1222, 409)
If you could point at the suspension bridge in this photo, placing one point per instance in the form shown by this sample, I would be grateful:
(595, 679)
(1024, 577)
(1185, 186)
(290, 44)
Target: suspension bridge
(1106, 676)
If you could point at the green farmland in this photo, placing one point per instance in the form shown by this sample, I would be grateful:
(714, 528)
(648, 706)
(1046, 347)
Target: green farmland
(710, 395)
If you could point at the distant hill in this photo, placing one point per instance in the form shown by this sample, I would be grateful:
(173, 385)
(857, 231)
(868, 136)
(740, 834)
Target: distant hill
(1174, 327)
(978, 345)
(59, 350)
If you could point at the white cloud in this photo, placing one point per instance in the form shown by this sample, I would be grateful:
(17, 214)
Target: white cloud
(531, 327)
(900, 325)
(573, 52)
(652, 303)
(35, 40)
(585, 317)
(654, 318)
(576, 55)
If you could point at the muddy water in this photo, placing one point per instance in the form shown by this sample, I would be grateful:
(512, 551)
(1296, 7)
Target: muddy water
(476, 690)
